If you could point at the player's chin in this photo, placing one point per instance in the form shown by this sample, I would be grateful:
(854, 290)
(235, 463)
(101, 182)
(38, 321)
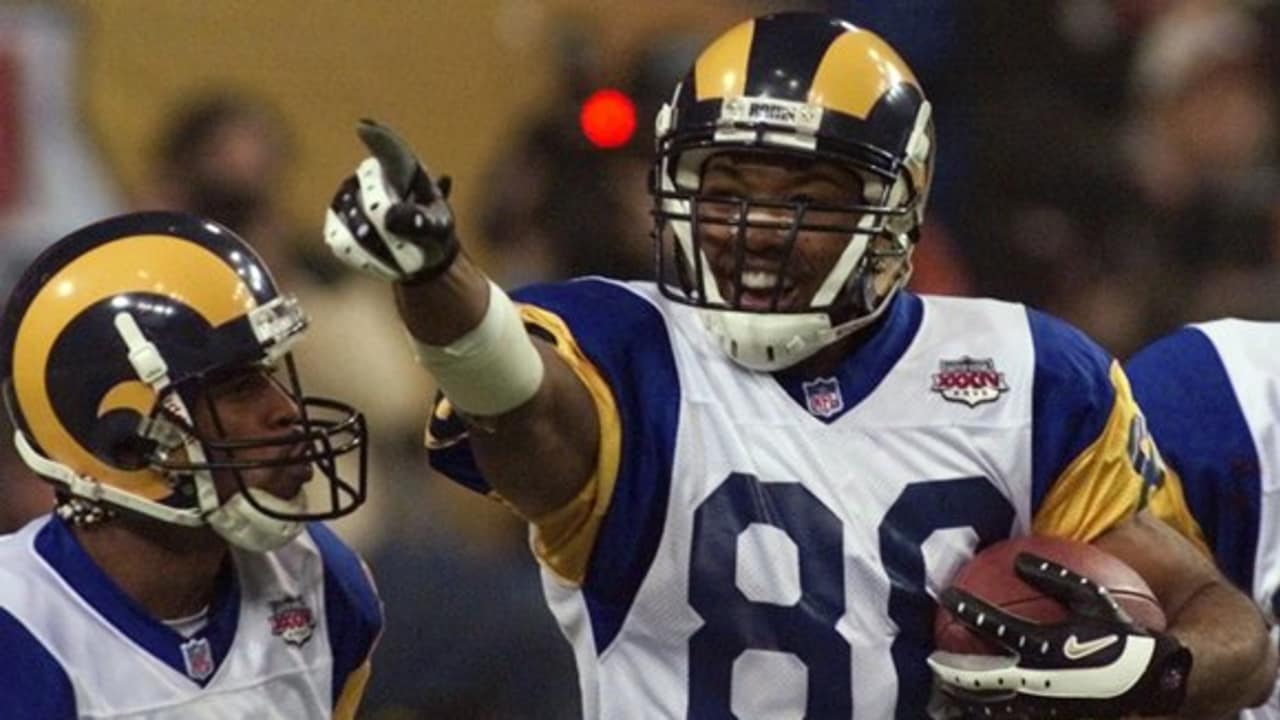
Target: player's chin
(288, 481)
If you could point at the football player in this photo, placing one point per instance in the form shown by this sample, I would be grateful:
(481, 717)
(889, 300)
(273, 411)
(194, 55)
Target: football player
(148, 375)
(1211, 395)
(747, 481)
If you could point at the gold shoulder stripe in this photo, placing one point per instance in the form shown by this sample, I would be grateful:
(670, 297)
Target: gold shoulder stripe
(721, 69)
(352, 693)
(1105, 484)
(856, 71)
(1169, 503)
(564, 538)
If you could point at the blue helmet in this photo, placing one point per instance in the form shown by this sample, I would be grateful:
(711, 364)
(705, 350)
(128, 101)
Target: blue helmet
(107, 339)
(810, 87)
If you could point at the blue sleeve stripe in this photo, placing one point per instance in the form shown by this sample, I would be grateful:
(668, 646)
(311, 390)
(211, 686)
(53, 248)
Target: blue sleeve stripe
(1072, 399)
(353, 611)
(627, 339)
(33, 685)
(1191, 409)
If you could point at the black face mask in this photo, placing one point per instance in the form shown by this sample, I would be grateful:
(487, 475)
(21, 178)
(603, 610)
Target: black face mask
(327, 430)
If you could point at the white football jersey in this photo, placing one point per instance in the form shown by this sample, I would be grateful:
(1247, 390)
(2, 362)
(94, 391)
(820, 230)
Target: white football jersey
(1211, 394)
(283, 637)
(760, 545)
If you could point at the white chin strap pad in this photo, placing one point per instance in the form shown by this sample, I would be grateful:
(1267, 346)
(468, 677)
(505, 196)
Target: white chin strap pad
(767, 342)
(242, 525)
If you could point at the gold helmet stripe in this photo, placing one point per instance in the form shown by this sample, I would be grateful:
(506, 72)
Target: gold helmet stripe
(721, 70)
(157, 264)
(856, 71)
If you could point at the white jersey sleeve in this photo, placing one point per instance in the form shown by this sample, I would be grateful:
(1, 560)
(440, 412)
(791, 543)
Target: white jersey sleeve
(1211, 394)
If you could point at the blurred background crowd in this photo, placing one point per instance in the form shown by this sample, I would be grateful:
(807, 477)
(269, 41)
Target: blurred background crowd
(1113, 162)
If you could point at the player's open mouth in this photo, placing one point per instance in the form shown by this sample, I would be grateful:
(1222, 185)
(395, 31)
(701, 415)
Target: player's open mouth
(759, 288)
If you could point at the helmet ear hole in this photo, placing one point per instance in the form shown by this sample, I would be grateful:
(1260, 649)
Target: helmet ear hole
(113, 439)
(132, 453)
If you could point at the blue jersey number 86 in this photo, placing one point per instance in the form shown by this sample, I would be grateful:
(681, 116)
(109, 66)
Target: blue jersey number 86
(806, 630)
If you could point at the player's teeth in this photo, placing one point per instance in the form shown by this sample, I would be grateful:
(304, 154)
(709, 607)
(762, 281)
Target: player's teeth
(757, 280)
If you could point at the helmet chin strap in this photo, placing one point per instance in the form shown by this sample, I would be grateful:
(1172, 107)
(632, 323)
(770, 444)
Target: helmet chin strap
(244, 526)
(236, 519)
(768, 343)
(771, 342)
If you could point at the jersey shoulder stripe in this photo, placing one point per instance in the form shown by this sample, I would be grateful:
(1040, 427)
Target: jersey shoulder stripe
(626, 339)
(1072, 398)
(1094, 462)
(353, 610)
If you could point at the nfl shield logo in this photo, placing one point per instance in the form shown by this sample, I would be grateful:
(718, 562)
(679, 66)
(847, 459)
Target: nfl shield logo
(291, 620)
(198, 657)
(969, 381)
(822, 396)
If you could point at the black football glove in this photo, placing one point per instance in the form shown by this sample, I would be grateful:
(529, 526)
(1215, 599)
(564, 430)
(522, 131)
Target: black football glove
(1097, 664)
(391, 219)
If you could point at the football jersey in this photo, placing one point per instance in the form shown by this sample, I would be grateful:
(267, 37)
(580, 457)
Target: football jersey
(759, 545)
(288, 633)
(1211, 395)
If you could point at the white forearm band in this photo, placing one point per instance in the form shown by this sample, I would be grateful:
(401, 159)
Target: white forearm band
(492, 369)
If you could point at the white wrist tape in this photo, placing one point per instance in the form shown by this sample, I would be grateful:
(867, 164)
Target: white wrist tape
(492, 369)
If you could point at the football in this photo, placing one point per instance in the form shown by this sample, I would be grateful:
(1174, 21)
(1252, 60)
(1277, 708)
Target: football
(990, 576)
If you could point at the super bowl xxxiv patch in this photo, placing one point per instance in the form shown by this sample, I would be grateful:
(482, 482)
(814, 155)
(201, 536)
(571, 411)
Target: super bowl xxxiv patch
(969, 381)
(292, 620)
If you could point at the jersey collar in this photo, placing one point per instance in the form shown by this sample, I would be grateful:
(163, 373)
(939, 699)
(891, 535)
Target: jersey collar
(58, 547)
(827, 398)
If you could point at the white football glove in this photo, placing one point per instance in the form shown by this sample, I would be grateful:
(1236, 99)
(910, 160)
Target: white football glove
(391, 219)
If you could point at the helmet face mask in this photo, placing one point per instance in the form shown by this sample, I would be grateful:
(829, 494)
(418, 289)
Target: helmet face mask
(116, 341)
(321, 431)
(848, 102)
(772, 241)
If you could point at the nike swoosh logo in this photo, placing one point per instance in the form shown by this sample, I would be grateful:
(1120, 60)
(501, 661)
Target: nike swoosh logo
(1074, 649)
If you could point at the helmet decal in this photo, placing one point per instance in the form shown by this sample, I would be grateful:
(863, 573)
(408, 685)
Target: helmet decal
(117, 330)
(147, 274)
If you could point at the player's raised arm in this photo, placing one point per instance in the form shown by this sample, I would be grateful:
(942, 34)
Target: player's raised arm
(534, 425)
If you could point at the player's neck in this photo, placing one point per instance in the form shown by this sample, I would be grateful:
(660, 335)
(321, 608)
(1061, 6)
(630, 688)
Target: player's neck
(170, 571)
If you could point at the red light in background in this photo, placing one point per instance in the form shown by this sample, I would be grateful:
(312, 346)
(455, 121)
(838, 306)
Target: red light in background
(608, 119)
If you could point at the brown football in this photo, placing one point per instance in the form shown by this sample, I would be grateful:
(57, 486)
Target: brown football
(990, 576)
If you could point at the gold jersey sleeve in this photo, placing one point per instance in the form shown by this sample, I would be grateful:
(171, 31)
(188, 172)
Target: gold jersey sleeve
(563, 538)
(1117, 475)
